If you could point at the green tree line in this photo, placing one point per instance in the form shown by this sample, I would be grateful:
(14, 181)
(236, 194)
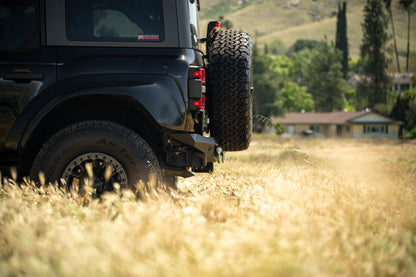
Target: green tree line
(311, 79)
(312, 76)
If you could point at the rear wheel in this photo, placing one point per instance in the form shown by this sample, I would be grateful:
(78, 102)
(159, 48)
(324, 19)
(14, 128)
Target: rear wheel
(229, 95)
(102, 152)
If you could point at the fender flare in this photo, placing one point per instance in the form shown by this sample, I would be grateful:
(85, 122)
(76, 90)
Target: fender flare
(159, 95)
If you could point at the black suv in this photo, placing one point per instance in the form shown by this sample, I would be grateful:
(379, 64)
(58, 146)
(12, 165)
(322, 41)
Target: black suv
(119, 91)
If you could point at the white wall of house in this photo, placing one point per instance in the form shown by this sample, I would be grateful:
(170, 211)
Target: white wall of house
(291, 129)
(376, 130)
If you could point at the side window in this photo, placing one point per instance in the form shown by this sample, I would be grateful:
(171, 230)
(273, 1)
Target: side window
(19, 25)
(109, 20)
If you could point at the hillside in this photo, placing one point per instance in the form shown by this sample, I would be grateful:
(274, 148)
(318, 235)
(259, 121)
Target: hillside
(286, 21)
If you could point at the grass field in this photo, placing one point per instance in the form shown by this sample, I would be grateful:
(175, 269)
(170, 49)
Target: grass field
(311, 207)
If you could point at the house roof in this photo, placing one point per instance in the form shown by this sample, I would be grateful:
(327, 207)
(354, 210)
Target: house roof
(332, 118)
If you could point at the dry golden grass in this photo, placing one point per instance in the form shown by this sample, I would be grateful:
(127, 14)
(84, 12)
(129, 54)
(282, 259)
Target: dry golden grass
(308, 207)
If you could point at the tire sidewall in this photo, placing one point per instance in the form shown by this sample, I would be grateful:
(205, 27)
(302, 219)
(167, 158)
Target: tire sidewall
(136, 158)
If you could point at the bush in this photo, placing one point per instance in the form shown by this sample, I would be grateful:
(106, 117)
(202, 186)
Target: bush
(412, 133)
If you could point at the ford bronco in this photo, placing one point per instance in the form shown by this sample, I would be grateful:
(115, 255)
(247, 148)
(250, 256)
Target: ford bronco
(127, 91)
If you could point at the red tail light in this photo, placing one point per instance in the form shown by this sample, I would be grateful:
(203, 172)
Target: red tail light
(200, 75)
(200, 103)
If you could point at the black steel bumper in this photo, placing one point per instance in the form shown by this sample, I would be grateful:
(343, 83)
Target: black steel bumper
(194, 152)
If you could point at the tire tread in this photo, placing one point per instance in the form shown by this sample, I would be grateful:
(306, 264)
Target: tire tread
(229, 98)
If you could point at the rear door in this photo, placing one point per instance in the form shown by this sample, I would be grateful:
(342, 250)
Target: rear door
(27, 67)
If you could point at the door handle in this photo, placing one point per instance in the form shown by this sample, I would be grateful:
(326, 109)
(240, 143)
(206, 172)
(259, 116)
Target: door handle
(23, 77)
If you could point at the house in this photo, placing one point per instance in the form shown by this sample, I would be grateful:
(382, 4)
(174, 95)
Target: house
(402, 82)
(354, 81)
(341, 124)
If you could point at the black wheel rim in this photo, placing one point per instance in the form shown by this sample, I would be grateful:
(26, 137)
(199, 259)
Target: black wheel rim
(104, 170)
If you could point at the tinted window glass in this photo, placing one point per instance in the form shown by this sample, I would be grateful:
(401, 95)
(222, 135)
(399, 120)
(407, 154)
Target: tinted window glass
(19, 25)
(109, 20)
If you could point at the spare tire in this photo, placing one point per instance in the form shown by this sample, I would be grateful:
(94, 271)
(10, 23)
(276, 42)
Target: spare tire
(229, 93)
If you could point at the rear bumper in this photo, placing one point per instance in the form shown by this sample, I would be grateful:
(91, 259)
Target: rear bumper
(206, 146)
(192, 152)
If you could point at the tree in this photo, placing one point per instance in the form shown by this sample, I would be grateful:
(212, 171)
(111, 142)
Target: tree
(301, 44)
(282, 67)
(341, 40)
(405, 110)
(277, 47)
(295, 98)
(266, 87)
(274, 91)
(387, 4)
(375, 81)
(301, 62)
(406, 5)
(324, 78)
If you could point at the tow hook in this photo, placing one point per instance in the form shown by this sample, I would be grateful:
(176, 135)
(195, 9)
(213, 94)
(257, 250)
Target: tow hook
(220, 154)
